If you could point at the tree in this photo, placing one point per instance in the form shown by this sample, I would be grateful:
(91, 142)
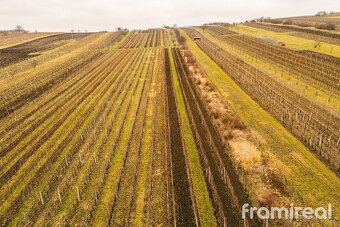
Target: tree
(19, 28)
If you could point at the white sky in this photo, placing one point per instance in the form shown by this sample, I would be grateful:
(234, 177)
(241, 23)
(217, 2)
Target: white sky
(63, 15)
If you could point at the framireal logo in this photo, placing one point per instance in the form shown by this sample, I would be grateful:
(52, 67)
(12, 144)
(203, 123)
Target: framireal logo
(290, 212)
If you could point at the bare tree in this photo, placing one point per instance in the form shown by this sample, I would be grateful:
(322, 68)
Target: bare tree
(19, 28)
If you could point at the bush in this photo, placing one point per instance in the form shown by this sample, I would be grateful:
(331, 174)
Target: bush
(304, 25)
(274, 21)
(328, 26)
(288, 22)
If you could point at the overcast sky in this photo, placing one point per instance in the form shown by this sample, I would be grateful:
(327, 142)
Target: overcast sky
(94, 15)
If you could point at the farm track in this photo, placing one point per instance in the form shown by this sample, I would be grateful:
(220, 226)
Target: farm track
(184, 209)
(316, 71)
(51, 157)
(314, 126)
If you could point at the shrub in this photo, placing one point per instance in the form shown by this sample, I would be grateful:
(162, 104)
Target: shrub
(288, 22)
(304, 25)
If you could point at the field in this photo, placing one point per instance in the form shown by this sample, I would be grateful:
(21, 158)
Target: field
(314, 21)
(165, 127)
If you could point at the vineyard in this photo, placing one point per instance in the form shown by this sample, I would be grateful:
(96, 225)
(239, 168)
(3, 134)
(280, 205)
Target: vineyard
(315, 126)
(130, 128)
(313, 34)
(20, 52)
(312, 69)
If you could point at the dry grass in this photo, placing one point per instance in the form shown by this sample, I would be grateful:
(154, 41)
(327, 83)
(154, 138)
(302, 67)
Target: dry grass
(259, 171)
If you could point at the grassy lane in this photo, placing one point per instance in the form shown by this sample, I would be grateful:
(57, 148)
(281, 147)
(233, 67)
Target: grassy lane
(203, 202)
(308, 179)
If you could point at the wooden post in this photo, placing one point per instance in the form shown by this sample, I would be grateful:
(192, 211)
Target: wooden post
(59, 196)
(96, 195)
(78, 195)
(95, 158)
(66, 160)
(80, 159)
(41, 198)
(320, 141)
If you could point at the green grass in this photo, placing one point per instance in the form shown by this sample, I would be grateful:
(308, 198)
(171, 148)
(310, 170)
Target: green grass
(290, 40)
(203, 202)
(308, 177)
